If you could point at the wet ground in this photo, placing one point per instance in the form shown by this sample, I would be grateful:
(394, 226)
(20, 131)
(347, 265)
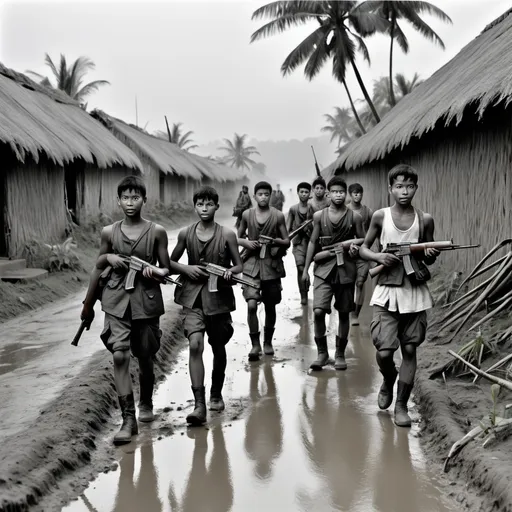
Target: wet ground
(304, 442)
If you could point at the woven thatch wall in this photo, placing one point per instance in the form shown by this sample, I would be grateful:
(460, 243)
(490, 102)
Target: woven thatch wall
(35, 204)
(465, 182)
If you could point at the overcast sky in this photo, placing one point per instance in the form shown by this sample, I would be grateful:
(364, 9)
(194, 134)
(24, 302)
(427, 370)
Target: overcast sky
(193, 62)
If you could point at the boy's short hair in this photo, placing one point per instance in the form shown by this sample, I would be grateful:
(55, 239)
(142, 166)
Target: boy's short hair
(245, 187)
(263, 185)
(337, 180)
(206, 192)
(135, 183)
(304, 184)
(404, 170)
(319, 181)
(355, 188)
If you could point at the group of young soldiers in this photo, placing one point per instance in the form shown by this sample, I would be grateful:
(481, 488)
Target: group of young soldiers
(339, 239)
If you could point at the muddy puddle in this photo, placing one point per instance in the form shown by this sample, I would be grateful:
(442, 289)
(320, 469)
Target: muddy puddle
(288, 441)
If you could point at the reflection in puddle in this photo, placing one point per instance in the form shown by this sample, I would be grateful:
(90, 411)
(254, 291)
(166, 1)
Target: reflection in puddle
(14, 356)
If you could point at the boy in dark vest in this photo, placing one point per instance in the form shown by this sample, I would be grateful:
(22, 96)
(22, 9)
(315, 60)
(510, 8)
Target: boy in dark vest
(268, 271)
(356, 195)
(131, 317)
(319, 201)
(206, 312)
(330, 226)
(297, 215)
(399, 304)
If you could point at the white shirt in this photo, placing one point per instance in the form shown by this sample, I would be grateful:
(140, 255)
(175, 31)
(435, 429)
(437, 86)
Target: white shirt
(406, 298)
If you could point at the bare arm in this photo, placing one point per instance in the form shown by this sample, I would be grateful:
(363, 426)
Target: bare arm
(312, 244)
(161, 243)
(284, 240)
(430, 254)
(233, 249)
(289, 220)
(374, 232)
(242, 234)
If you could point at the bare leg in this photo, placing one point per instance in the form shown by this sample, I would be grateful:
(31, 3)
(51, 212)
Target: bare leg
(195, 361)
(270, 316)
(319, 322)
(146, 386)
(359, 300)
(122, 372)
(408, 366)
(254, 329)
(343, 325)
(405, 385)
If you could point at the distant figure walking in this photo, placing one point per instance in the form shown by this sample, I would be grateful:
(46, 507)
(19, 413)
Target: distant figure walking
(242, 203)
(277, 198)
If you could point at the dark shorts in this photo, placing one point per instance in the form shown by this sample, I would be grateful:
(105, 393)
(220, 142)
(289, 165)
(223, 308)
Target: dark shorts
(299, 253)
(142, 337)
(390, 329)
(325, 290)
(269, 292)
(219, 328)
(363, 267)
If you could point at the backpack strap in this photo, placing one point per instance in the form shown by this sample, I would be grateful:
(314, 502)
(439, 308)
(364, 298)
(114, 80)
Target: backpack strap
(421, 222)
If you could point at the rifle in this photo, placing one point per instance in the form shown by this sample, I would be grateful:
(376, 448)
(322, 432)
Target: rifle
(318, 173)
(217, 271)
(138, 265)
(405, 250)
(296, 231)
(329, 251)
(85, 324)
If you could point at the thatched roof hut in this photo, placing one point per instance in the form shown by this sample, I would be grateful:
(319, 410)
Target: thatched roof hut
(456, 129)
(171, 173)
(44, 135)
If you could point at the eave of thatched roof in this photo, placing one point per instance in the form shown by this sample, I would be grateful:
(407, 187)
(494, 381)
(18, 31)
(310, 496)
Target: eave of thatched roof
(478, 76)
(166, 156)
(36, 120)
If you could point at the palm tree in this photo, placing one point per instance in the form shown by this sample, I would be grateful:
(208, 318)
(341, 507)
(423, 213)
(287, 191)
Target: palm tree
(70, 79)
(338, 125)
(342, 26)
(176, 136)
(405, 86)
(392, 11)
(238, 154)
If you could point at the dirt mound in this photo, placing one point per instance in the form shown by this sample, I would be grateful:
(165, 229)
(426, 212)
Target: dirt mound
(64, 437)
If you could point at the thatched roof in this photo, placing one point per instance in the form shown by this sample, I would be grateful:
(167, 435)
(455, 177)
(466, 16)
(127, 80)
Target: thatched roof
(166, 156)
(36, 120)
(479, 76)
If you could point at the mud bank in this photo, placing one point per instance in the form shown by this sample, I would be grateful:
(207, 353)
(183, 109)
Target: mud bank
(450, 410)
(70, 429)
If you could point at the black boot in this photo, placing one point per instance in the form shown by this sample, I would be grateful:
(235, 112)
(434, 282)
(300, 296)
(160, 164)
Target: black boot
(255, 352)
(402, 418)
(323, 354)
(268, 333)
(339, 358)
(198, 416)
(216, 401)
(129, 427)
(385, 398)
(146, 383)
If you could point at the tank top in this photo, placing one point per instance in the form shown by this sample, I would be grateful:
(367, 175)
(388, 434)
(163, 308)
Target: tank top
(405, 298)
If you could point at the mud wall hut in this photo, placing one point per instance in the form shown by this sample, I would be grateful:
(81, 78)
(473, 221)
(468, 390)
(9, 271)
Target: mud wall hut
(171, 173)
(456, 130)
(51, 149)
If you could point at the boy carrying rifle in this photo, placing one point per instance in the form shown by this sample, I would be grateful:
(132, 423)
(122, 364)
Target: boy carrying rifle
(297, 215)
(335, 270)
(400, 302)
(131, 316)
(266, 242)
(206, 311)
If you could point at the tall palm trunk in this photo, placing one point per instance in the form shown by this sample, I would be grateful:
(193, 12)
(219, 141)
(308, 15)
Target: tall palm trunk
(365, 92)
(356, 115)
(392, 98)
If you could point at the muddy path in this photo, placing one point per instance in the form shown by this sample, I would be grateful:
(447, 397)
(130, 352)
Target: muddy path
(289, 440)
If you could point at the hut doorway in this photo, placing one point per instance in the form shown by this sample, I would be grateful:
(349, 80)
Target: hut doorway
(3, 215)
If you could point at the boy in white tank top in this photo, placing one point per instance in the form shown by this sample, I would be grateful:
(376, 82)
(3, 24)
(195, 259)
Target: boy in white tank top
(399, 316)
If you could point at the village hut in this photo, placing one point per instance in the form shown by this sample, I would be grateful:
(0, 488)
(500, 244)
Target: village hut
(171, 173)
(456, 130)
(55, 158)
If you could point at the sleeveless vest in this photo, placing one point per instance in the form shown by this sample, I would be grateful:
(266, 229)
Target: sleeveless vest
(299, 218)
(271, 267)
(344, 231)
(145, 300)
(213, 251)
(394, 276)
